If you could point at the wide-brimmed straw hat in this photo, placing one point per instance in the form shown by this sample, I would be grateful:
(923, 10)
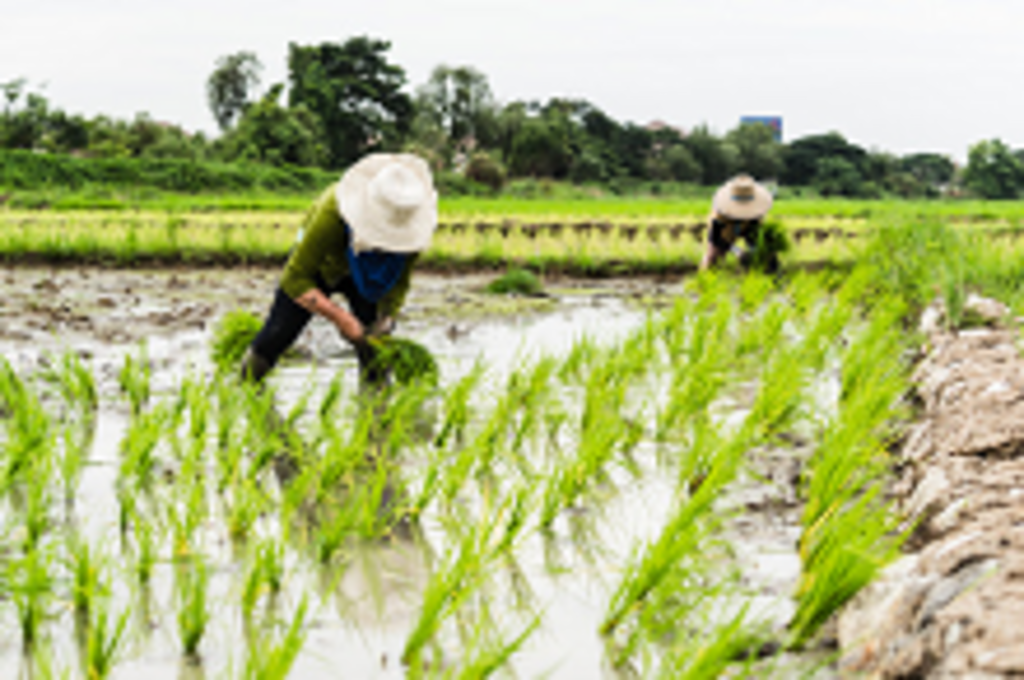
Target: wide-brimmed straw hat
(389, 202)
(742, 198)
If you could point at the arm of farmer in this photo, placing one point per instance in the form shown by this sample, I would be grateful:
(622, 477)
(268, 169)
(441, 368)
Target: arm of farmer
(391, 303)
(322, 234)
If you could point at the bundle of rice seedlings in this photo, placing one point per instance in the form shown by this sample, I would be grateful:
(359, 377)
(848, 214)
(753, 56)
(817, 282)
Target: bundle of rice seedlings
(516, 281)
(232, 336)
(408, 361)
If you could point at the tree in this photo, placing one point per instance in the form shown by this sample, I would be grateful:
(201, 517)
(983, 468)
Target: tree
(929, 168)
(458, 100)
(758, 154)
(716, 158)
(231, 86)
(836, 176)
(355, 92)
(993, 171)
(270, 133)
(540, 149)
(682, 166)
(803, 155)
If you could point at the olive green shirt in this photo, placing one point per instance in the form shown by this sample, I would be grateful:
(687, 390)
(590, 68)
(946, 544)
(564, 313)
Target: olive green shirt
(321, 249)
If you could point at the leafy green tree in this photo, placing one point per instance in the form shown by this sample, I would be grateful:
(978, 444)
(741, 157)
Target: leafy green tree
(66, 132)
(758, 154)
(540, 149)
(271, 133)
(837, 176)
(929, 168)
(682, 166)
(459, 101)
(718, 159)
(802, 157)
(993, 171)
(23, 126)
(355, 92)
(510, 120)
(232, 85)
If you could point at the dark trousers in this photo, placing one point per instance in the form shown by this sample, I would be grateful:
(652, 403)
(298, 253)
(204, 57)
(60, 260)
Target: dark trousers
(288, 318)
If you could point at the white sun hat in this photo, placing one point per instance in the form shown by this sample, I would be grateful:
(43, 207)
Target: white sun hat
(389, 202)
(741, 198)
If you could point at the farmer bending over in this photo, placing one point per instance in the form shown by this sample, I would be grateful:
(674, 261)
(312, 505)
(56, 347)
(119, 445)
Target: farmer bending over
(737, 209)
(360, 238)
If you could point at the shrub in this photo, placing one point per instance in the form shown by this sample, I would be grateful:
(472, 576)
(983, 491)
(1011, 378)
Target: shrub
(484, 169)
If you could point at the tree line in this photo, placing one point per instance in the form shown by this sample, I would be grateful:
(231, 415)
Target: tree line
(342, 100)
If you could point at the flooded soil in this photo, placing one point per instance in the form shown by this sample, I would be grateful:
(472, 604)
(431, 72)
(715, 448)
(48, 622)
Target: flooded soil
(365, 611)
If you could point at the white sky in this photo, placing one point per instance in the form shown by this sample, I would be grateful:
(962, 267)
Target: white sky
(896, 75)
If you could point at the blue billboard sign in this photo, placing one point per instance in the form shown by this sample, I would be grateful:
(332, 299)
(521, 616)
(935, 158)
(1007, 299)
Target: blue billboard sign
(773, 122)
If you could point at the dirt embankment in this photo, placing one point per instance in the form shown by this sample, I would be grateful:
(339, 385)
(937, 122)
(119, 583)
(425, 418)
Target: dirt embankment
(953, 607)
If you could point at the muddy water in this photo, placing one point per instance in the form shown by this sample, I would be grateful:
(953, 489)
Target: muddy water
(359, 622)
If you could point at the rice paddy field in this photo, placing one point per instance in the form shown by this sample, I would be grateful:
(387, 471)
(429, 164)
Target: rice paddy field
(653, 476)
(586, 238)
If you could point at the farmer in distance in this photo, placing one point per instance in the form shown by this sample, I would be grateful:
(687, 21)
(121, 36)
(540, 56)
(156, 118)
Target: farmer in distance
(360, 238)
(737, 209)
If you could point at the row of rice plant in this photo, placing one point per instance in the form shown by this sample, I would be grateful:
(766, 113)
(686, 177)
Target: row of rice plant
(587, 248)
(230, 524)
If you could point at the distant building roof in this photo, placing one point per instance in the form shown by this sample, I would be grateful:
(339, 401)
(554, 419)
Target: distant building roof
(659, 125)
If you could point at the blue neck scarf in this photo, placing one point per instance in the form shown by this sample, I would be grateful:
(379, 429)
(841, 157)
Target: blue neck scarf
(374, 272)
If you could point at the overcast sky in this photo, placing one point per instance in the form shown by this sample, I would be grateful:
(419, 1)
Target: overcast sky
(895, 75)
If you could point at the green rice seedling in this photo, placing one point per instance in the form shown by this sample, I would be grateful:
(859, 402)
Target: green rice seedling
(197, 398)
(583, 355)
(77, 442)
(273, 660)
(85, 565)
(232, 335)
(761, 335)
(28, 429)
(105, 639)
(244, 508)
(457, 409)
(134, 379)
(191, 584)
(337, 524)
(327, 412)
(841, 554)
(532, 393)
(42, 664)
(185, 512)
(461, 573)
(779, 402)
(265, 573)
(77, 384)
(713, 653)
(403, 417)
(31, 586)
(485, 654)
(35, 515)
(680, 539)
(145, 549)
(911, 259)
(139, 445)
(847, 534)
(754, 291)
(516, 281)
